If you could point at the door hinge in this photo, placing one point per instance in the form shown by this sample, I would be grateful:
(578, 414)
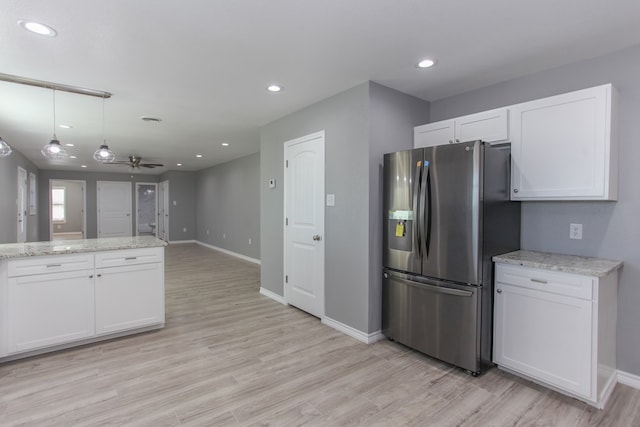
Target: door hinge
(286, 221)
(286, 162)
(286, 279)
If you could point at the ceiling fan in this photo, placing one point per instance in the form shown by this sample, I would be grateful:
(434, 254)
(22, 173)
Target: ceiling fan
(136, 162)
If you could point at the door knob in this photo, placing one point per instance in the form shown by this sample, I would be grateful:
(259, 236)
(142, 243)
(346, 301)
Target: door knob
(499, 290)
(317, 237)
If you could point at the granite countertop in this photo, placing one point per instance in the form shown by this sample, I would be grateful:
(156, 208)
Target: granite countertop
(586, 266)
(19, 250)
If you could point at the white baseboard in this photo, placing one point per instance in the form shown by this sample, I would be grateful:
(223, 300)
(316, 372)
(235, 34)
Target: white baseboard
(629, 379)
(180, 242)
(353, 332)
(272, 295)
(228, 252)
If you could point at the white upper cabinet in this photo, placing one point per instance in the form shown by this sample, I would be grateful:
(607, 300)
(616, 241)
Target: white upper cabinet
(488, 126)
(565, 147)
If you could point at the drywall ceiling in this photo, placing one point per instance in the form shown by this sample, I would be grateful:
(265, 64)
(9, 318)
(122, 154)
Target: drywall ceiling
(203, 66)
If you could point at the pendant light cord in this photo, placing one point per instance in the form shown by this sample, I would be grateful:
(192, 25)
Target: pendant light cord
(104, 141)
(54, 113)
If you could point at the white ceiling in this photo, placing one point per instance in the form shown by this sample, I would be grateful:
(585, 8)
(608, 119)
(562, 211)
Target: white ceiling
(203, 65)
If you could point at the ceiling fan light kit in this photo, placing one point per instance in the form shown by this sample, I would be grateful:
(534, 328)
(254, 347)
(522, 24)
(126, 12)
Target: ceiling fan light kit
(5, 149)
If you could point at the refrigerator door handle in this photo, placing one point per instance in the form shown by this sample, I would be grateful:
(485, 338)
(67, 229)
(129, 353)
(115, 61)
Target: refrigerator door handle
(433, 288)
(417, 234)
(425, 200)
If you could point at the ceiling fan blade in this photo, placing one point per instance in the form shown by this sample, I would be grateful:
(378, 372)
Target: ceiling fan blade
(151, 165)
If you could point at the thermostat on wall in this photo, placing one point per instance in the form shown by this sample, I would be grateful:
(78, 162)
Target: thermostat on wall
(272, 183)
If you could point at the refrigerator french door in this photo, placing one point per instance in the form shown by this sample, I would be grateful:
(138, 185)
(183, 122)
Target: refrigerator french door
(437, 281)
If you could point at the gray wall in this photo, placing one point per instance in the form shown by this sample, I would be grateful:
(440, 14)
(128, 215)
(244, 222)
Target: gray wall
(350, 229)
(610, 228)
(182, 202)
(9, 190)
(228, 202)
(73, 207)
(393, 116)
(90, 178)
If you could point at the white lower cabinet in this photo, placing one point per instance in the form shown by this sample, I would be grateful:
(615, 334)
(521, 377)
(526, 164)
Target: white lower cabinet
(53, 301)
(129, 297)
(48, 310)
(557, 329)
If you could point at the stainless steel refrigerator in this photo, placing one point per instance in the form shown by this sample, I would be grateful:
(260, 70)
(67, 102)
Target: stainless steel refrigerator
(446, 213)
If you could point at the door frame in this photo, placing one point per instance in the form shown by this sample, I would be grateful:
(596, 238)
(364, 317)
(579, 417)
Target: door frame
(21, 210)
(164, 200)
(155, 185)
(84, 205)
(286, 145)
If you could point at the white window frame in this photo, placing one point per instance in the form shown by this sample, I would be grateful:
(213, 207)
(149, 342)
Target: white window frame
(63, 204)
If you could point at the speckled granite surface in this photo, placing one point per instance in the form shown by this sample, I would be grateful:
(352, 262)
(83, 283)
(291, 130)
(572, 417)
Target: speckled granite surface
(558, 262)
(18, 250)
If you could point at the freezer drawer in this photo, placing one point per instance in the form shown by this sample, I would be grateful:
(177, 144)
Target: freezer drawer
(440, 321)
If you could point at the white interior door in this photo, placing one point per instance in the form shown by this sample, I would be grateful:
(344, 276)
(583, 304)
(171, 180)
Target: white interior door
(21, 205)
(163, 210)
(304, 223)
(114, 209)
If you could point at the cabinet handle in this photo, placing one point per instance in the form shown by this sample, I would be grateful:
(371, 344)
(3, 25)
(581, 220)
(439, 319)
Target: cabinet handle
(457, 140)
(131, 258)
(99, 275)
(515, 190)
(538, 280)
(53, 265)
(499, 290)
(451, 141)
(91, 276)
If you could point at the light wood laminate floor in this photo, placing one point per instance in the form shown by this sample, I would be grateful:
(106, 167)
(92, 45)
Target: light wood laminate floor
(229, 356)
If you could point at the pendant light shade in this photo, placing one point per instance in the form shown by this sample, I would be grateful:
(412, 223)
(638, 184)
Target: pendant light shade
(54, 150)
(104, 154)
(5, 150)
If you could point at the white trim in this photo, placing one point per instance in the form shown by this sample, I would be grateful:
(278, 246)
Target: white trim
(228, 252)
(629, 379)
(269, 294)
(353, 332)
(180, 242)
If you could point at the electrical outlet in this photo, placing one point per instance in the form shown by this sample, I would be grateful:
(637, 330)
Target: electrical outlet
(249, 240)
(207, 231)
(575, 231)
(224, 235)
(184, 229)
(331, 199)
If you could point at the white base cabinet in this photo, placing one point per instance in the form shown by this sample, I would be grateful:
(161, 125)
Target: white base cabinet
(557, 329)
(54, 301)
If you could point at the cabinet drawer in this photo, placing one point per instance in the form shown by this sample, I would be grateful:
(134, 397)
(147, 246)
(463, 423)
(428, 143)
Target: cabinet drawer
(50, 264)
(129, 257)
(568, 284)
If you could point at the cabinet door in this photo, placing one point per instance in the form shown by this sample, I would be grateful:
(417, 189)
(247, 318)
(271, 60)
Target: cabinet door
(563, 147)
(46, 310)
(431, 134)
(129, 297)
(545, 336)
(488, 126)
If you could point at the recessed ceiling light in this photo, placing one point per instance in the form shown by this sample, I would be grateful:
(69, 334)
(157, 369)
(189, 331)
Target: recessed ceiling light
(70, 145)
(274, 88)
(426, 63)
(225, 144)
(65, 127)
(73, 157)
(198, 155)
(83, 166)
(178, 164)
(38, 28)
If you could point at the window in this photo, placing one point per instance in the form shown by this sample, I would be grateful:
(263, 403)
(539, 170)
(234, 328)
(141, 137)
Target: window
(57, 204)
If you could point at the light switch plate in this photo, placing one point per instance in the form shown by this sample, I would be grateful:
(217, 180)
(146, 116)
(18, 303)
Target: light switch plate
(331, 199)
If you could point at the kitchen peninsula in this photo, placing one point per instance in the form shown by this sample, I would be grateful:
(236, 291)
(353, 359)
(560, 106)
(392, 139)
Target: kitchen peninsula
(63, 293)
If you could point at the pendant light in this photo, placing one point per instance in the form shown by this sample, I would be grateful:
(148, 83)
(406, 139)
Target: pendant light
(104, 154)
(54, 150)
(5, 150)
